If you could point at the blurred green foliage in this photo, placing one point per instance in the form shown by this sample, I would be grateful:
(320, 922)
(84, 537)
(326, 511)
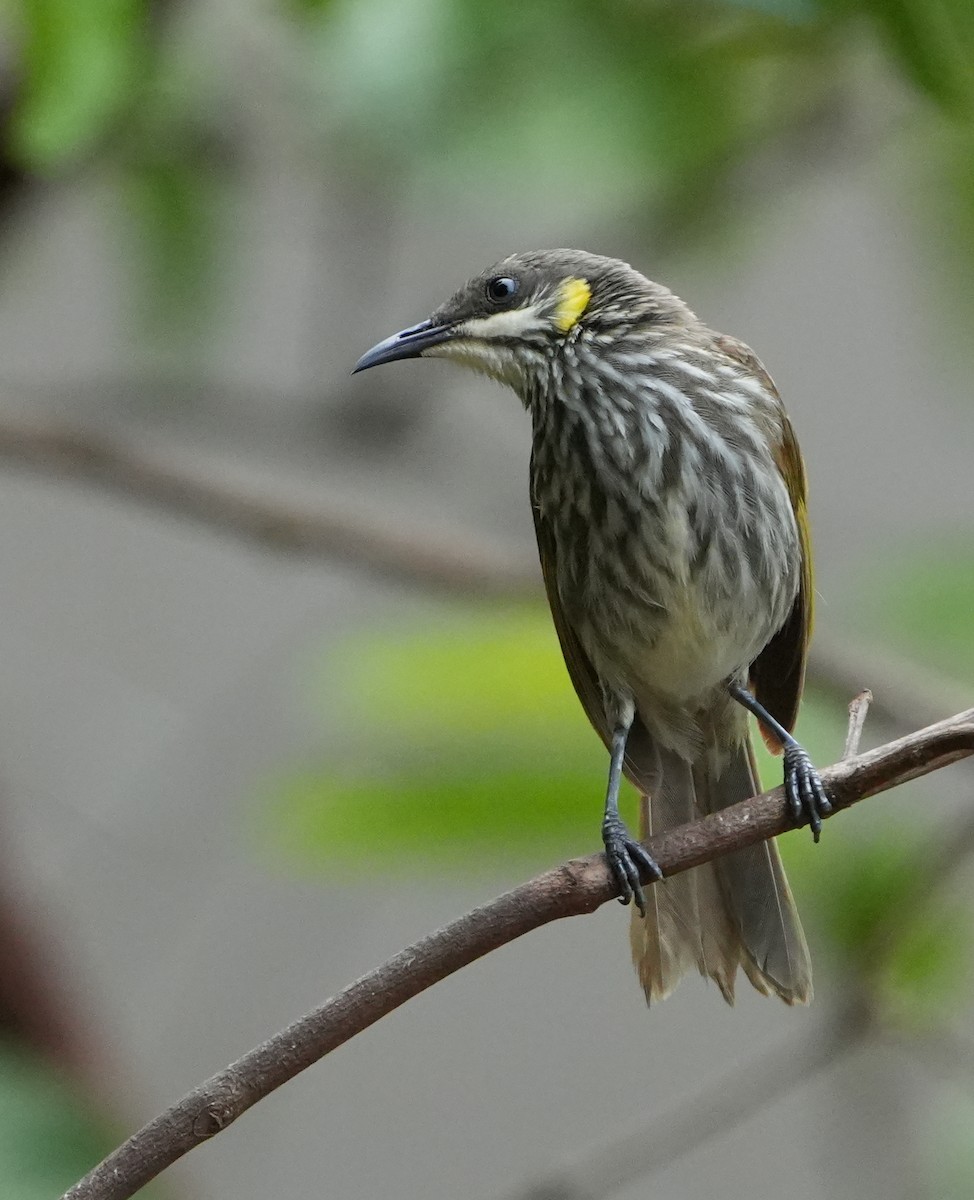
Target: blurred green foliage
(649, 112)
(884, 928)
(464, 747)
(177, 208)
(932, 40)
(921, 599)
(82, 61)
(103, 86)
(47, 1138)
(464, 750)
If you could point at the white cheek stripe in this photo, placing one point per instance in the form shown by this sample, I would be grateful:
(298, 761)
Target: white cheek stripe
(512, 324)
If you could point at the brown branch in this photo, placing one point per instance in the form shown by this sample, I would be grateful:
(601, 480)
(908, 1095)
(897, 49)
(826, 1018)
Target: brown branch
(577, 887)
(456, 564)
(656, 1143)
(906, 695)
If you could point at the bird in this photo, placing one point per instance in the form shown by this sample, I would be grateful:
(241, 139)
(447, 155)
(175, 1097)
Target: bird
(669, 501)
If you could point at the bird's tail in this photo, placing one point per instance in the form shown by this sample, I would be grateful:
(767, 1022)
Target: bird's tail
(735, 911)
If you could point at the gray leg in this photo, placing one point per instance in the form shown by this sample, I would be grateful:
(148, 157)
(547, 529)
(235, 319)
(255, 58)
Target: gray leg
(627, 859)
(806, 795)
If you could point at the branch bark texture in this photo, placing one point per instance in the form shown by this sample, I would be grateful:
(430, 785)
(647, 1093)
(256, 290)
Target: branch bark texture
(576, 887)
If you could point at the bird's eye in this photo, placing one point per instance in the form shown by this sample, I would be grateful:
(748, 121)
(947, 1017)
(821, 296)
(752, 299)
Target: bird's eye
(501, 289)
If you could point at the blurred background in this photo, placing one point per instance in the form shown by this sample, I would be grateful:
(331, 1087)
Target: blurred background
(279, 691)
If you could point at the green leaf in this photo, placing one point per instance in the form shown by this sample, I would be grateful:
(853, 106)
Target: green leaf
(82, 61)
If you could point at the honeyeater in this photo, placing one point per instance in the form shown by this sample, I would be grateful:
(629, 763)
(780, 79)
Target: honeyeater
(669, 503)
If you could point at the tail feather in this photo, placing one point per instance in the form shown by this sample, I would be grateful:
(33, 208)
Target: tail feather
(736, 911)
(775, 954)
(668, 942)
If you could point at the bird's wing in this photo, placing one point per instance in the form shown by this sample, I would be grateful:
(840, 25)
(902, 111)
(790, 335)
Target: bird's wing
(580, 669)
(778, 672)
(641, 766)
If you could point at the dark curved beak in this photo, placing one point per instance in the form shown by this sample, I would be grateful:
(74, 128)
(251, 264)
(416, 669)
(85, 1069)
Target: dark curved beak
(409, 344)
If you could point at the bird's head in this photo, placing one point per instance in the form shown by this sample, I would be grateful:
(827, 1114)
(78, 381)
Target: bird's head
(513, 319)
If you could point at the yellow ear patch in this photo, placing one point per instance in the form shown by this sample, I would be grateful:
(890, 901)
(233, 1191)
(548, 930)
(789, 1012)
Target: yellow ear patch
(572, 302)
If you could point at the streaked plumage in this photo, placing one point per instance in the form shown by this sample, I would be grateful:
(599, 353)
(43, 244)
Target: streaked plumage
(669, 504)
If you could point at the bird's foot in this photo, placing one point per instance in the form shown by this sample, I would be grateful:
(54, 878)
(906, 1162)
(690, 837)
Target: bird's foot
(803, 788)
(626, 857)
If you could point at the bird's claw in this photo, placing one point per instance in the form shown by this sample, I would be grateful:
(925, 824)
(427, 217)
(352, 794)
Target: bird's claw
(803, 787)
(627, 858)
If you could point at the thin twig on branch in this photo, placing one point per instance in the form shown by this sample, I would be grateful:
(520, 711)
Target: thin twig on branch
(906, 694)
(576, 887)
(858, 711)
